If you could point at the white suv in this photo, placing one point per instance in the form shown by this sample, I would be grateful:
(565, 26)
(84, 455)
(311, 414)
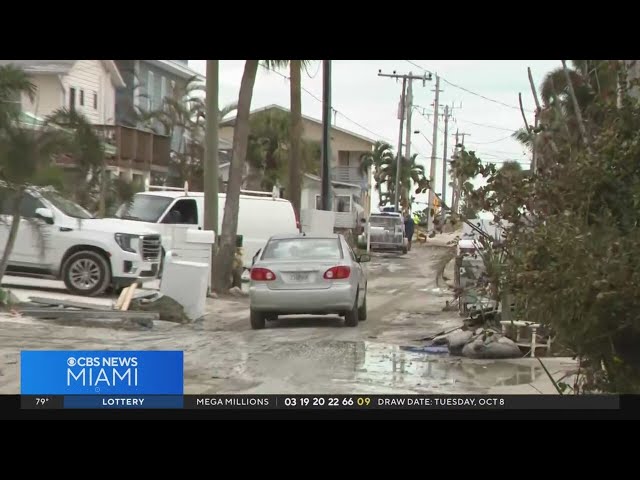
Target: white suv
(60, 238)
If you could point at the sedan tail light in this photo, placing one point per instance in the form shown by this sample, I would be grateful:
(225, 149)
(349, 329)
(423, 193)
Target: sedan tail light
(337, 273)
(262, 275)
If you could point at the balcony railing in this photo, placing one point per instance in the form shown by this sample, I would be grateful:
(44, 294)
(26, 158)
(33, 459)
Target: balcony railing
(140, 149)
(349, 175)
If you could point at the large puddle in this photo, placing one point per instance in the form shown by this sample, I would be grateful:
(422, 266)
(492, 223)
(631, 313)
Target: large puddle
(374, 367)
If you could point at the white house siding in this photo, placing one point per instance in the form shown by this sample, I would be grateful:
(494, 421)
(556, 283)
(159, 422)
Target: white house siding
(308, 195)
(92, 77)
(48, 95)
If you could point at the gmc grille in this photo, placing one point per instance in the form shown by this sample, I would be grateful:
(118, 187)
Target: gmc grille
(151, 247)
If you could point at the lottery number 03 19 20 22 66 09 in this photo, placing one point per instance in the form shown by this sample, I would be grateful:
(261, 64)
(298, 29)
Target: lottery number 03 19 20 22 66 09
(328, 401)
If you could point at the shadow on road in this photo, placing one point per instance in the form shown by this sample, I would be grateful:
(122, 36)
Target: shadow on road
(306, 322)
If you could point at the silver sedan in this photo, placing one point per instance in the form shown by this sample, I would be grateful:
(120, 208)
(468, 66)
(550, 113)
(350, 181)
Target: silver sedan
(298, 274)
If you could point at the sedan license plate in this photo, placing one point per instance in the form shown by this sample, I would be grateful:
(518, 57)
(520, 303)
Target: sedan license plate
(299, 277)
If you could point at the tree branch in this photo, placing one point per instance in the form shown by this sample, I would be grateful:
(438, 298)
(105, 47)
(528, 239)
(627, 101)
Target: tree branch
(576, 106)
(524, 117)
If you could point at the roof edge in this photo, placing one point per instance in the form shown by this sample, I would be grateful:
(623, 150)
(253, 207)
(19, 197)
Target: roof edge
(230, 121)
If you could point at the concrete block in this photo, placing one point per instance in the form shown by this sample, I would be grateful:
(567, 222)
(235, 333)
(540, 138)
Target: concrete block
(187, 283)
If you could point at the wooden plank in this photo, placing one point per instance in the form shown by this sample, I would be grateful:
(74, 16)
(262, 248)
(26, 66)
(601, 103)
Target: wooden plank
(120, 301)
(68, 303)
(128, 297)
(87, 314)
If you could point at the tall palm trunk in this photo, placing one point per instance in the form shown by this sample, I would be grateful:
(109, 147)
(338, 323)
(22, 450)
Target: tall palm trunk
(223, 263)
(104, 186)
(295, 178)
(13, 233)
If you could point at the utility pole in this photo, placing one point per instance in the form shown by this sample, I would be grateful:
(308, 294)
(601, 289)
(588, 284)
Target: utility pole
(434, 151)
(211, 156)
(326, 135)
(444, 157)
(457, 187)
(408, 110)
(404, 78)
(396, 190)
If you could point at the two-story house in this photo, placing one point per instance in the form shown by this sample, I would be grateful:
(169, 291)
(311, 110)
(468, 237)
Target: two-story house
(148, 83)
(351, 185)
(91, 88)
(87, 86)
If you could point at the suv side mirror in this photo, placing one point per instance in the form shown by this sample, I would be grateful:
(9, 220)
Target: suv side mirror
(364, 258)
(45, 214)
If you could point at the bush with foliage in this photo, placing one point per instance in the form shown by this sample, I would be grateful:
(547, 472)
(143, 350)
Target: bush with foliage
(572, 250)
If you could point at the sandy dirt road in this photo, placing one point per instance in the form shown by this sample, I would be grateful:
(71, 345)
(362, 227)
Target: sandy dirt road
(304, 354)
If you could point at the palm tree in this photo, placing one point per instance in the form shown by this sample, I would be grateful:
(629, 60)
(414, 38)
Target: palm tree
(25, 152)
(381, 154)
(591, 79)
(296, 129)
(223, 262)
(13, 83)
(411, 175)
(268, 148)
(87, 150)
(594, 82)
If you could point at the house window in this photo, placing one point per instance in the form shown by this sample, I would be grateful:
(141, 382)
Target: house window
(343, 158)
(95, 101)
(342, 203)
(72, 99)
(82, 98)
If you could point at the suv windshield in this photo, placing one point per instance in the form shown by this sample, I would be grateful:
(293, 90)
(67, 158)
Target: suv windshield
(144, 208)
(65, 205)
(303, 249)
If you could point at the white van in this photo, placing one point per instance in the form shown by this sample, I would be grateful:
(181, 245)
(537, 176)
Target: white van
(56, 237)
(261, 215)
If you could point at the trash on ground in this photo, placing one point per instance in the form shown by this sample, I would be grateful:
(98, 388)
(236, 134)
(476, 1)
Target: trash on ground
(56, 302)
(426, 349)
(166, 307)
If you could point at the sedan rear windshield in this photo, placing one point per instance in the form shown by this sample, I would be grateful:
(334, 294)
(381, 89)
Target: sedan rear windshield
(303, 249)
(384, 221)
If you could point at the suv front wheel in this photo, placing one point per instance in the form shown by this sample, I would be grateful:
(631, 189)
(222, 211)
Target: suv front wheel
(86, 273)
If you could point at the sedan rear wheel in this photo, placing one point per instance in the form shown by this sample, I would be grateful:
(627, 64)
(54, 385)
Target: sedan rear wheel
(362, 311)
(351, 317)
(257, 320)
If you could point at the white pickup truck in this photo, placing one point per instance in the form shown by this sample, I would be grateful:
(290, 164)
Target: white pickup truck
(59, 238)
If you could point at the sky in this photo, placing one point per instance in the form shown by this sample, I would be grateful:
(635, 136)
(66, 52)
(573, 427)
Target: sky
(368, 104)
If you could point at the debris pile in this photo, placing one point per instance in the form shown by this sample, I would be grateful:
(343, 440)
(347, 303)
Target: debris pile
(65, 312)
(481, 343)
(168, 309)
(75, 313)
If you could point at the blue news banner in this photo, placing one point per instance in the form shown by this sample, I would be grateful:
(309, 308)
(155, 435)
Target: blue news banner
(154, 379)
(102, 379)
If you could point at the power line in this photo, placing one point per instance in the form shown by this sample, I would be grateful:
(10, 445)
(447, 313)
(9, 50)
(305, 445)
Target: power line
(335, 110)
(428, 120)
(493, 141)
(471, 92)
(486, 125)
